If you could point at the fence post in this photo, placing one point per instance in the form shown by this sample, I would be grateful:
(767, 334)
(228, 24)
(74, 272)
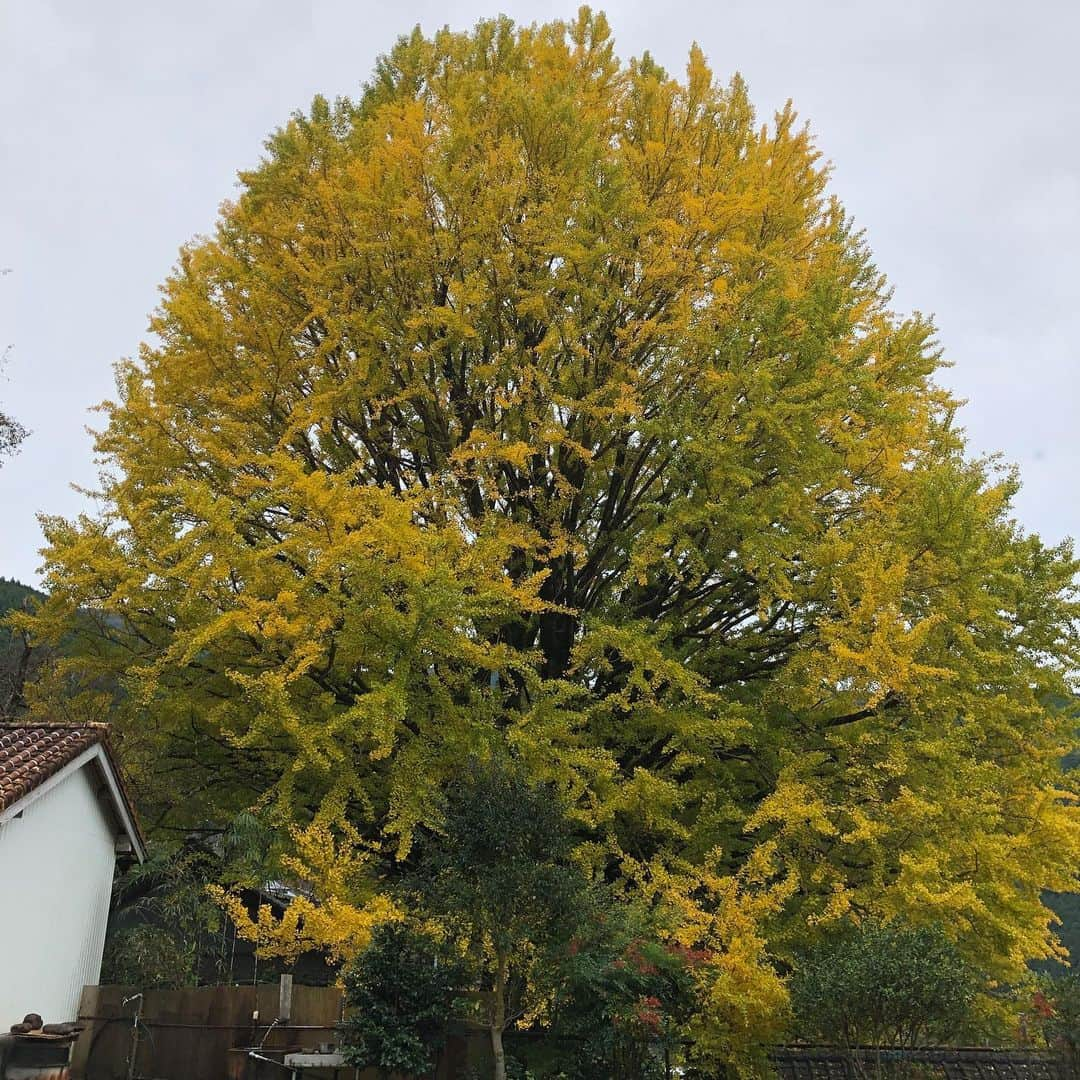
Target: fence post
(285, 999)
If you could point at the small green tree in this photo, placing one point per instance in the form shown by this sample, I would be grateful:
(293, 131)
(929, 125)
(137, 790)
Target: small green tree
(621, 995)
(882, 985)
(498, 874)
(401, 993)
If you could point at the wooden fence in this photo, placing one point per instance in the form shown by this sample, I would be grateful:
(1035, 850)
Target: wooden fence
(928, 1063)
(200, 1033)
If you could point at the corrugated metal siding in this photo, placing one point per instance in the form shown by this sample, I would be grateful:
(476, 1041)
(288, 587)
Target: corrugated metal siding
(56, 868)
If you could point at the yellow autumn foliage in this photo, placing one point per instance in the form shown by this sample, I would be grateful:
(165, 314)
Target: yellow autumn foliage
(338, 913)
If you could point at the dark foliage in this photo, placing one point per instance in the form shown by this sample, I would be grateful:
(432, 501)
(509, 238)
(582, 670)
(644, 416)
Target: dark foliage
(499, 867)
(882, 985)
(165, 930)
(162, 920)
(12, 434)
(498, 874)
(619, 999)
(401, 992)
(1056, 1008)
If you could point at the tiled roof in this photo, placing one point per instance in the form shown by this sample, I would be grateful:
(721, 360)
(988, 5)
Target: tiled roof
(31, 753)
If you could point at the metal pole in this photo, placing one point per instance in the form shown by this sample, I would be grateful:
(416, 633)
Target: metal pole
(134, 1052)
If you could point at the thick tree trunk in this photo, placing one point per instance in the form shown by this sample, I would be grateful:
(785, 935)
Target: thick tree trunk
(15, 699)
(498, 1021)
(498, 1056)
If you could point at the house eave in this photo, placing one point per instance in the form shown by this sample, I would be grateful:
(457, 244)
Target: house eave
(97, 757)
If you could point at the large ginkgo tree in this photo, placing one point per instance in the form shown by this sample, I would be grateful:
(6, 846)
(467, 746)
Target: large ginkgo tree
(542, 403)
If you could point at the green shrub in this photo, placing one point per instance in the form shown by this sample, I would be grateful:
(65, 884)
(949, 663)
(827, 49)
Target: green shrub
(882, 985)
(401, 992)
(1056, 1008)
(162, 920)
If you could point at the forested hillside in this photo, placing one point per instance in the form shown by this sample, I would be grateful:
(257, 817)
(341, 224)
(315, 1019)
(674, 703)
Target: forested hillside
(12, 595)
(15, 654)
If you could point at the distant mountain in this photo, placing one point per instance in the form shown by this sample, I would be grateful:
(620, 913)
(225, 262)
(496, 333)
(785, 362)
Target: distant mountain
(12, 596)
(1067, 908)
(15, 660)
(13, 592)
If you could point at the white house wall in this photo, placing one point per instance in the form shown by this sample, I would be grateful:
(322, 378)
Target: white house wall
(56, 869)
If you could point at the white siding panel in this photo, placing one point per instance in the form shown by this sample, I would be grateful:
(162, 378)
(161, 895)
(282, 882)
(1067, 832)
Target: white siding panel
(56, 868)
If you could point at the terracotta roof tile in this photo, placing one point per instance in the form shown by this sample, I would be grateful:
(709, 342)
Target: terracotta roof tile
(31, 753)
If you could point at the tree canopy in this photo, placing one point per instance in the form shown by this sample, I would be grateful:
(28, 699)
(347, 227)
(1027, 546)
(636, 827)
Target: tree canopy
(12, 432)
(543, 402)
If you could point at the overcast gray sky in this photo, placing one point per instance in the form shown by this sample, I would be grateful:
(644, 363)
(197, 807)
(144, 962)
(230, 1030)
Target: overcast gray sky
(954, 128)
